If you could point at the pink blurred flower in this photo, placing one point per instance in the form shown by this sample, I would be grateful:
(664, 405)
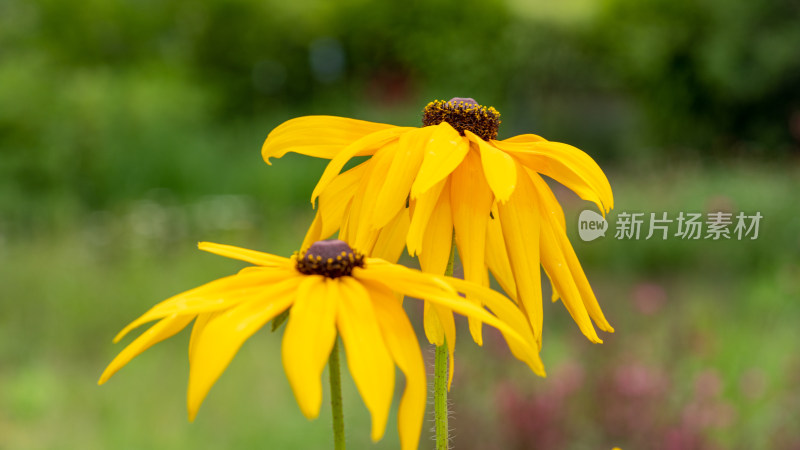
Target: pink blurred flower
(649, 298)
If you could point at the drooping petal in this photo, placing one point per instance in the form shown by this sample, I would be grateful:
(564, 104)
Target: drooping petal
(550, 206)
(498, 167)
(443, 153)
(566, 164)
(424, 206)
(224, 335)
(318, 136)
(400, 175)
(471, 200)
(367, 356)
(551, 212)
(437, 239)
(335, 200)
(369, 144)
(519, 220)
(556, 266)
(308, 340)
(392, 237)
(244, 254)
(549, 203)
(436, 289)
(163, 329)
(587, 294)
(434, 253)
(510, 314)
(497, 256)
(438, 322)
(398, 334)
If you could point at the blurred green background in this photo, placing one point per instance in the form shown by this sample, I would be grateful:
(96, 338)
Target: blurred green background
(130, 130)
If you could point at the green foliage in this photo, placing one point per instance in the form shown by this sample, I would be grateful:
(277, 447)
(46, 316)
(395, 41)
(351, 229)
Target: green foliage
(710, 73)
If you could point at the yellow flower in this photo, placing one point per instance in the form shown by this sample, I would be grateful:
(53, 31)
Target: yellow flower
(421, 185)
(331, 290)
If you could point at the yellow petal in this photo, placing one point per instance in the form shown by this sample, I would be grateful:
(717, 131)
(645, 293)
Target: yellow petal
(434, 253)
(525, 138)
(369, 144)
(367, 356)
(308, 340)
(243, 254)
(567, 165)
(438, 322)
(438, 290)
(224, 335)
(551, 208)
(211, 296)
(443, 153)
(449, 326)
(437, 240)
(163, 329)
(554, 295)
(424, 206)
(499, 168)
(507, 312)
(549, 203)
(357, 229)
(519, 220)
(589, 299)
(197, 329)
(215, 297)
(400, 175)
(432, 325)
(471, 200)
(318, 136)
(398, 272)
(392, 238)
(556, 266)
(440, 329)
(398, 334)
(497, 257)
(335, 200)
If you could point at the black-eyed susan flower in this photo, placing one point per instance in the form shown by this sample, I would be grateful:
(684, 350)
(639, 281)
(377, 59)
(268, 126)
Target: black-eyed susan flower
(329, 290)
(454, 177)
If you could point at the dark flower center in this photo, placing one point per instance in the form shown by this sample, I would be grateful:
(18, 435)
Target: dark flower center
(463, 114)
(333, 259)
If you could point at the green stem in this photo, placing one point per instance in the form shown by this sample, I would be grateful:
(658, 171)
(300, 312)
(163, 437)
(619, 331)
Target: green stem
(440, 398)
(336, 397)
(440, 377)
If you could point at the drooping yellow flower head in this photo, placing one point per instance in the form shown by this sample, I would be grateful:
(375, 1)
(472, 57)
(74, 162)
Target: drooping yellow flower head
(329, 289)
(453, 177)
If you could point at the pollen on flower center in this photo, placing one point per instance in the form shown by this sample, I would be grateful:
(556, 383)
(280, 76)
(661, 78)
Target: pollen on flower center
(332, 258)
(463, 114)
